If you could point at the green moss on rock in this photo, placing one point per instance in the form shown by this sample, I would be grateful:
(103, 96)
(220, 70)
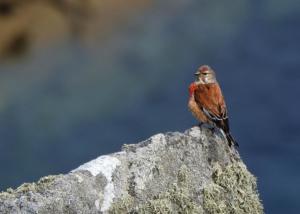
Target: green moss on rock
(124, 205)
(41, 185)
(176, 200)
(233, 191)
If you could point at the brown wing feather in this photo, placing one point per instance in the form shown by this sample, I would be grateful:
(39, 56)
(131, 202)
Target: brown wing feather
(209, 97)
(210, 100)
(196, 110)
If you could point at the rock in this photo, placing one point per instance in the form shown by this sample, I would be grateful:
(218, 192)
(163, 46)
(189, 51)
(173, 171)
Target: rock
(190, 172)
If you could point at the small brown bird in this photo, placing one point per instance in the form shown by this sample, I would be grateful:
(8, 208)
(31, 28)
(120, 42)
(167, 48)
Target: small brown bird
(207, 103)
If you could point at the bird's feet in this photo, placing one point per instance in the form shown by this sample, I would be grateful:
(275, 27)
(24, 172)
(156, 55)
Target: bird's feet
(212, 129)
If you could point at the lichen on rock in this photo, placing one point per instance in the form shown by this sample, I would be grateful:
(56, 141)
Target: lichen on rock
(176, 199)
(193, 172)
(233, 190)
(39, 186)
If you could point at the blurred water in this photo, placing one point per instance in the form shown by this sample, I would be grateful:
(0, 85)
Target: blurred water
(67, 105)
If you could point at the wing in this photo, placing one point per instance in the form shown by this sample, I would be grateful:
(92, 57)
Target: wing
(210, 99)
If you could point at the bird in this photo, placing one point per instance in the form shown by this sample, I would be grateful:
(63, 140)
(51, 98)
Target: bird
(207, 103)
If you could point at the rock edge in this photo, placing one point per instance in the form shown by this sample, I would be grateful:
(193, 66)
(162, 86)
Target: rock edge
(190, 172)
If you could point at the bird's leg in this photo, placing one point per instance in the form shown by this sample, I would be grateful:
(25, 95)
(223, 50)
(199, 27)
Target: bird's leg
(206, 125)
(212, 128)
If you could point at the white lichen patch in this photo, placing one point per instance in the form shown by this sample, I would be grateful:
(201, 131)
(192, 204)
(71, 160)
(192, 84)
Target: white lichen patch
(106, 166)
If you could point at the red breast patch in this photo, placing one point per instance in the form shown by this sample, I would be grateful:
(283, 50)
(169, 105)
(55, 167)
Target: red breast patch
(192, 88)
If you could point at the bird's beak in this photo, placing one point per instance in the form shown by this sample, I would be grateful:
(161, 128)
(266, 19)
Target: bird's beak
(197, 73)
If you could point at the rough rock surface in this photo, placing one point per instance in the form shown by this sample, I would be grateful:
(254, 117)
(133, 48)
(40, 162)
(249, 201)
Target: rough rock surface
(190, 172)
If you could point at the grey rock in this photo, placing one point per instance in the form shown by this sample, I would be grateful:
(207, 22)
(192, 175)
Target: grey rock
(190, 172)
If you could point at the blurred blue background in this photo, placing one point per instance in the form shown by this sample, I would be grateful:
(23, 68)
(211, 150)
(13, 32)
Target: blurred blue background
(78, 81)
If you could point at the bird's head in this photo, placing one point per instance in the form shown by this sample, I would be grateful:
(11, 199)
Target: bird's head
(205, 75)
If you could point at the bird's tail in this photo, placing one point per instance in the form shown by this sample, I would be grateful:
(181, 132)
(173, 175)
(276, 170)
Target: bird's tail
(231, 140)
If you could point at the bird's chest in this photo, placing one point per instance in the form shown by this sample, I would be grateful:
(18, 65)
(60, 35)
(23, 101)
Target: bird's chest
(204, 90)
